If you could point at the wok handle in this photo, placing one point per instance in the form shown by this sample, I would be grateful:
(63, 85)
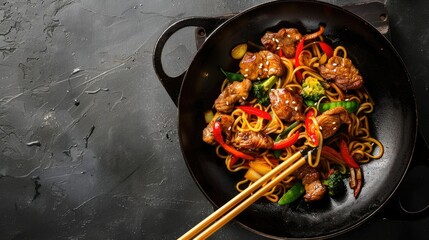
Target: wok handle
(395, 210)
(205, 26)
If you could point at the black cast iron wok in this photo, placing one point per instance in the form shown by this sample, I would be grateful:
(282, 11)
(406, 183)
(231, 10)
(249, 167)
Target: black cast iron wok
(394, 121)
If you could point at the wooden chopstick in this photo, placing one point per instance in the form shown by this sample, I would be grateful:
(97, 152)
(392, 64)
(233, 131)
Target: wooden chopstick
(285, 168)
(246, 203)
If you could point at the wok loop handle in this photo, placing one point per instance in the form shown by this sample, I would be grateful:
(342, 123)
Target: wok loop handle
(205, 26)
(396, 210)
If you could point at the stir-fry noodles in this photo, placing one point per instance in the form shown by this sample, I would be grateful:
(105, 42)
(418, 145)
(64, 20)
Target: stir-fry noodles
(294, 92)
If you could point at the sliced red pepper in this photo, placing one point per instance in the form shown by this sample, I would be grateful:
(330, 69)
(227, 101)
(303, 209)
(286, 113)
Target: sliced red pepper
(332, 153)
(309, 126)
(233, 161)
(299, 76)
(299, 49)
(347, 157)
(330, 172)
(236, 153)
(327, 49)
(273, 161)
(284, 143)
(255, 111)
(217, 134)
(280, 53)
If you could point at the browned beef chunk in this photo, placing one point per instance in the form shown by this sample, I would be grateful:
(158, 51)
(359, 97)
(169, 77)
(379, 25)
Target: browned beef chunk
(286, 104)
(345, 75)
(285, 39)
(235, 92)
(331, 120)
(260, 65)
(226, 122)
(314, 189)
(253, 140)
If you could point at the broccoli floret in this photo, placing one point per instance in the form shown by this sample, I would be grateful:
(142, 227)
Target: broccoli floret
(261, 90)
(335, 184)
(312, 89)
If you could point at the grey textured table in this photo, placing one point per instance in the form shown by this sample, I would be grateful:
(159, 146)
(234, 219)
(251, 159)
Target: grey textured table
(89, 146)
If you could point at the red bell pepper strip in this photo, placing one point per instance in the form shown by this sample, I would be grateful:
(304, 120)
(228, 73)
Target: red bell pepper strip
(331, 153)
(255, 111)
(309, 126)
(233, 161)
(217, 134)
(299, 49)
(299, 76)
(284, 143)
(236, 153)
(327, 49)
(347, 157)
(273, 161)
(280, 53)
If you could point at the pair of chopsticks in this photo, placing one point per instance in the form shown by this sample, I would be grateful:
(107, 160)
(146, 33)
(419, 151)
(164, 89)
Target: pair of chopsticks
(239, 203)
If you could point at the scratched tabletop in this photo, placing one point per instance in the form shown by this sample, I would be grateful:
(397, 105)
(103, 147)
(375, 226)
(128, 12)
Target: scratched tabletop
(88, 135)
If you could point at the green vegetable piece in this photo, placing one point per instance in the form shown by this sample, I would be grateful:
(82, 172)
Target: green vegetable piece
(283, 135)
(261, 89)
(277, 153)
(286, 131)
(350, 106)
(291, 195)
(232, 76)
(312, 89)
(335, 184)
(310, 103)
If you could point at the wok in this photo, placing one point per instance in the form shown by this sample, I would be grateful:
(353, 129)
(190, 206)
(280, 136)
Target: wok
(393, 122)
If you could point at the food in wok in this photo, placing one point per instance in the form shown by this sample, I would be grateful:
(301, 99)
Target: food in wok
(294, 91)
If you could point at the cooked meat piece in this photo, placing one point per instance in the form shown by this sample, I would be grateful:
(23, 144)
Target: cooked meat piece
(345, 75)
(253, 140)
(314, 189)
(285, 39)
(286, 104)
(331, 120)
(260, 65)
(226, 122)
(235, 92)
